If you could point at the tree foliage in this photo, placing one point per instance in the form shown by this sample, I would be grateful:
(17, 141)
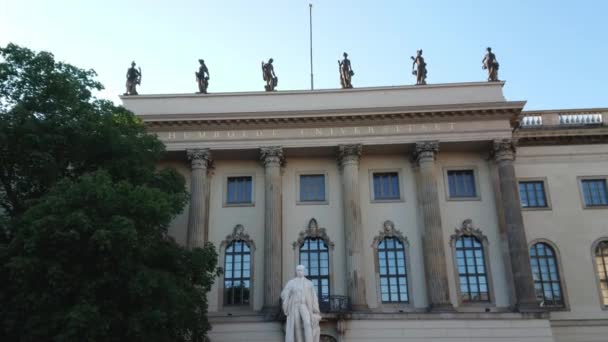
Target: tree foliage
(84, 213)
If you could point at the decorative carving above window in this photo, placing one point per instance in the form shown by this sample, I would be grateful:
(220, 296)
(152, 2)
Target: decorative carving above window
(388, 230)
(313, 231)
(238, 234)
(467, 229)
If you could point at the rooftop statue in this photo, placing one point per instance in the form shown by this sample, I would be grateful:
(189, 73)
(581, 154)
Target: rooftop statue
(420, 71)
(201, 79)
(301, 306)
(269, 76)
(346, 72)
(490, 63)
(133, 79)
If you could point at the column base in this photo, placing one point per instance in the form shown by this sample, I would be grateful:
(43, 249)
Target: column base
(447, 307)
(528, 308)
(273, 313)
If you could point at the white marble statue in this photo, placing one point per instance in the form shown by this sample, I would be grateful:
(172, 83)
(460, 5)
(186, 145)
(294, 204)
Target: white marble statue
(301, 307)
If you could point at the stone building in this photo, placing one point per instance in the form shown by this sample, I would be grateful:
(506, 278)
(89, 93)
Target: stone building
(423, 213)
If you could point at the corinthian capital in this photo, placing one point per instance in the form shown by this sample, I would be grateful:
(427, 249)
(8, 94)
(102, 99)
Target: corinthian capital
(503, 149)
(426, 151)
(272, 156)
(349, 154)
(199, 157)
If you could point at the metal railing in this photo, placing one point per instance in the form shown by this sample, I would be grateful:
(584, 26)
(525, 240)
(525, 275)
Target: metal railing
(334, 304)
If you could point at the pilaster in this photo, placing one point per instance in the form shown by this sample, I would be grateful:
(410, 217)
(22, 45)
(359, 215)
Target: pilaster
(200, 161)
(432, 234)
(504, 155)
(273, 159)
(348, 159)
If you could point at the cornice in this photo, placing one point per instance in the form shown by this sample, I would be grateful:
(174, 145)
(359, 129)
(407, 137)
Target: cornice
(479, 111)
(561, 136)
(312, 92)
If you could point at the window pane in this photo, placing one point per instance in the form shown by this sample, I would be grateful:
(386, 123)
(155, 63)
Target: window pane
(312, 188)
(461, 183)
(314, 255)
(392, 270)
(471, 270)
(237, 264)
(239, 190)
(386, 185)
(545, 274)
(595, 192)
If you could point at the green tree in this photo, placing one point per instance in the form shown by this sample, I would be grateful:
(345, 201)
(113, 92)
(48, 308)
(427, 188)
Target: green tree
(84, 213)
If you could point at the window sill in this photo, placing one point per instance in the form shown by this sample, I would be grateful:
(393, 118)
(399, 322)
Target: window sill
(312, 202)
(536, 208)
(391, 200)
(238, 205)
(464, 199)
(595, 206)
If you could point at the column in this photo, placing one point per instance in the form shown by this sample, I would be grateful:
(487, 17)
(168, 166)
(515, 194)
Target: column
(273, 159)
(504, 155)
(432, 232)
(197, 219)
(353, 229)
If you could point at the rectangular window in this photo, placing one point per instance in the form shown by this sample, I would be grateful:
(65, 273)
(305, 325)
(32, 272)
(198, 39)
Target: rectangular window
(532, 194)
(461, 184)
(386, 186)
(594, 192)
(312, 188)
(239, 190)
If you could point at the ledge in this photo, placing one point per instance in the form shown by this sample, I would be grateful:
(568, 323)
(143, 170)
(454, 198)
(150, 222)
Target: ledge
(331, 102)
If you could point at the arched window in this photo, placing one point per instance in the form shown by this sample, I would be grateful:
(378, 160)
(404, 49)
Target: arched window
(314, 254)
(546, 275)
(601, 264)
(472, 269)
(237, 273)
(469, 247)
(392, 271)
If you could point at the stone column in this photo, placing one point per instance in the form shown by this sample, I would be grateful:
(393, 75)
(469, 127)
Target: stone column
(504, 155)
(273, 159)
(197, 220)
(353, 229)
(432, 233)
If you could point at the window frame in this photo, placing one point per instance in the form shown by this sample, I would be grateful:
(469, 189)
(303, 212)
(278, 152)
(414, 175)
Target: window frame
(319, 277)
(546, 191)
(580, 180)
(467, 229)
(594, 246)
(400, 185)
(562, 281)
(313, 230)
(238, 234)
(225, 202)
(312, 173)
(446, 184)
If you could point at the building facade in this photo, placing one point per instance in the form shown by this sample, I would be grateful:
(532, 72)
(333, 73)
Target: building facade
(423, 213)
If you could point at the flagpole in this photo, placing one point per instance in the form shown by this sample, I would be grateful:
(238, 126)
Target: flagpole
(310, 25)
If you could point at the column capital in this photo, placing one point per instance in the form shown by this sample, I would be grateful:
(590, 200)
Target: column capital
(349, 154)
(199, 157)
(426, 150)
(272, 156)
(504, 149)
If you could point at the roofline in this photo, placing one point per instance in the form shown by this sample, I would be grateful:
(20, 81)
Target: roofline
(308, 91)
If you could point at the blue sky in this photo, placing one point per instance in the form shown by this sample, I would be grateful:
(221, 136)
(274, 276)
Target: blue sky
(552, 53)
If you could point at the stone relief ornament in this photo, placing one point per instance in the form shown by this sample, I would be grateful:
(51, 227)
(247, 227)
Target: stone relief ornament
(467, 229)
(313, 231)
(504, 149)
(388, 230)
(272, 155)
(425, 150)
(238, 234)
